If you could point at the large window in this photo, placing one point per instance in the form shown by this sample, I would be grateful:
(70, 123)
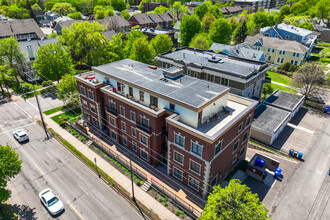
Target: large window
(177, 173)
(144, 155)
(294, 62)
(112, 121)
(196, 149)
(84, 104)
(122, 111)
(82, 91)
(113, 135)
(112, 105)
(123, 126)
(154, 101)
(142, 96)
(235, 146)
(130, 91)
(145, 122)
(133, 116)
(224, 81)
(124, 140)
(218, 147)
(133, 132)
(179, 140)
(245, 136)
(144, 139)
(196, 167)
(134, 146)
(193, 183)
(92, 107)
(178, 157)
(90, 94)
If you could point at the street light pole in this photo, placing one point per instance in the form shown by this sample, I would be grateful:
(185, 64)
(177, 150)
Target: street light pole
(130, 164)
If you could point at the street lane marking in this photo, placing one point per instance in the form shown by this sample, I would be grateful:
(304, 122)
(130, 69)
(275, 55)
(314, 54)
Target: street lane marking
(15, 142)
(74, 209)
(20, 108)
(49, 156)
(83, 189)
(32, 105)
(42, 173)
(14, 129)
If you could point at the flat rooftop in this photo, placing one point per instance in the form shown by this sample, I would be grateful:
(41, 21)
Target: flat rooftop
(185, 89)
(285, 100)
(268, 118)
(235, 67)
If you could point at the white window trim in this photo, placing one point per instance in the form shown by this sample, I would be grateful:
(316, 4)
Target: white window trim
(133, 142)
(84, 104)
(215, 181)
(81, 86)
(145, 152)
(250, 116)
(88, 94)
(133, 128)
(247, 136)
(121, 126)
(221, 149)
(90, 108)
(190, 177)
(240, 155)
(110, 117)
(200, 167)
(193, 153)
(111, 135)
(176, 176)
(184, 139)
(124, 138)
(240, 125)
(130, 115)
(141, 141)
(234, 160)
(120, 111)
(237, 145)
(144, 117)
(176, 160)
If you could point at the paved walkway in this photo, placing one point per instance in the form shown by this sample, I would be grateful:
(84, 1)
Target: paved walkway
(143, 197)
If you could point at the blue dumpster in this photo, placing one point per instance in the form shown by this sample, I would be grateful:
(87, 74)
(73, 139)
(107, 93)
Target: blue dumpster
(257, 162)
(262, 163)
(300, 155)
(278, 170)
(291, 152)
(276, 175)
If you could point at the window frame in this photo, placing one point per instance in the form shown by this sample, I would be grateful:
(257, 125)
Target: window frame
(134, 146)
(122, 110)
(216, 146)
(197, 147)
(234, 159)
(142, 135)
(154, 101)
(240, 127)
(200, 167)
(123, 126)
(113, 132)
(237, 146)
(84, 104)
(114, 121)
(133, 113)
(141, 96)
(214, 178)
(124, 140)
(245, 136)
(242, 151)
(174, 159)
(179, 171)
(133, 129)
(92, 106)
(183, 137)
(82, 88)
(189, 178)
(88, 95)
(144, 151)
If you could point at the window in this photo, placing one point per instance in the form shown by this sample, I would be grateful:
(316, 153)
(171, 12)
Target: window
(177, 173)
(240, 127)
(196, 167)
(179, 140)
(130, 91)
(245, 136)
(144, 122)
(144, 139)
(134, 146)
(82, 91)
(122, 111)
(234, 158)
(287, 37)
(178, 157)
(124, 140)
(213, 181)
(142, 96)
(112, 105)
(257, 47)
(90, 94)
(193, 183)
(133, 118)
(282, 52)
(189, 72)
(242, 152)
(113, 135)
(248, 120)
(153, 101)
(273, 50)
(196, 149)
(84, 104)
(210, 77)
(92, 107)
(112, 121)
(95, 122)
(123, 126)
(224, 81)
(144, 155)
(294, 62)
(235, 146)
(172, 107)
(218, 147)
(269, 58)
(120, 87)
(133, 132)
(268, 50)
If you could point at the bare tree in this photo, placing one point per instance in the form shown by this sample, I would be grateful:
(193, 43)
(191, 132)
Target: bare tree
(112, 24)
(307, 77)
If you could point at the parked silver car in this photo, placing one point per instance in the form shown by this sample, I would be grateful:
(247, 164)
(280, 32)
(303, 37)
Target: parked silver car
(20, 135)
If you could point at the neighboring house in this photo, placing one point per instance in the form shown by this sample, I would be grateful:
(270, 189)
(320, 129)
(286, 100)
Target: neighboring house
(63, 18)
(39, 15)
(244, 77)
(143, 20)
(22, 30)
(116, 23)
(168, 19)
(150, 6)
(256, 4)
(51, 16)
(325, 35)
(272, 117)
(176, 29)
(279, 51)
(292, 33)
(157, 20)
(232, 10)
(110, 34)
(243, 50)
(152, 33)
(195, 127)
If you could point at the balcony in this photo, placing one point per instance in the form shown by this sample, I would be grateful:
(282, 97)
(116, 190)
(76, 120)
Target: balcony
(111, 111)
(143, 127)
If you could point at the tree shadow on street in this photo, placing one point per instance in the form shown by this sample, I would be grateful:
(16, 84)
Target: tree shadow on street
(24, 212)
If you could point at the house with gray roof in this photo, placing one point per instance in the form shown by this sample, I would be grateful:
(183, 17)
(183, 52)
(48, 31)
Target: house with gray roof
(244, 77)
(243, 50)
(279, 51)
(143, 20)
(22, 30)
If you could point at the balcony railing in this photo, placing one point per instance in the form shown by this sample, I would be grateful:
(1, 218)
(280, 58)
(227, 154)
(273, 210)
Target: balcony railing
(143, 127)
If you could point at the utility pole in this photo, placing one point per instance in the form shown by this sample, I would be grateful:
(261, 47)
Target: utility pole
(130, 164)
(41, 116)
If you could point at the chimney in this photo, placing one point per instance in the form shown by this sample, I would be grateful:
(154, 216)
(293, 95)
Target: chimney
(11, 28)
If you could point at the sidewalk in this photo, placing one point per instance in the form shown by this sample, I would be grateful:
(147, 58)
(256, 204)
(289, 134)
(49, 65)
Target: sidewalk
(143, 197)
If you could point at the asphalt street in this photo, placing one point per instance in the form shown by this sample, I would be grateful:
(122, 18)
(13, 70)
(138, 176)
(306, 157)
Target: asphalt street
(306, 193)
(47, 164)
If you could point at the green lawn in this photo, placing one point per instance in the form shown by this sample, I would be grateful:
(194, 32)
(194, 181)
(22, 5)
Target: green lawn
(53, 110)
(280, 78)
(275, 86)
(72, 114)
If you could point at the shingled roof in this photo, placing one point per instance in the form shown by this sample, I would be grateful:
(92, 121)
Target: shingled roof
(14, 27)
(143, 18)
(120, 21)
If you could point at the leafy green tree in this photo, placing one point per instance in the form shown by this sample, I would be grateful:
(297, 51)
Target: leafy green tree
(207, 21)
(131, 37)
(240, 33)
(267, 89)
(86, 6)
(235, 201)
(109, 12)
(125, 14)
(141, 51)
(13, 11)
(220, 31)
(99, 14)
(10, 166)
(215, 11)
(116, 46)
(201, 41)
(233, 23)
(161, 43)
(118, 5)
(201, 10)
(63, 8)
(323, 10)
(307, 25)
(52, 62)
(178, 10)
(160, 10)
(260, 18)
(35, 7)
(67, 90)
(4, 78)
(285, 10)
(86, 43)
(75, 15)
(190, 26)
(11, 54)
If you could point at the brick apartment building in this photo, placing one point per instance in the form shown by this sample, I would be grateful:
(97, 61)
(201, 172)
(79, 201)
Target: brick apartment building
(196, 127)
(245, 77)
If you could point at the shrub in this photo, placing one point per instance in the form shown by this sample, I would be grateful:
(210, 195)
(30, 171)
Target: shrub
(182, 216)
(160, 199)
(142, 182)
(46, 83)
(165, 199)
(62, 122)
(155, 196)
(165, 204)
(177, 212)
(138, 183)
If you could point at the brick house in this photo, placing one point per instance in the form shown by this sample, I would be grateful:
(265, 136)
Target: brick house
(143, 20)
(195, 127)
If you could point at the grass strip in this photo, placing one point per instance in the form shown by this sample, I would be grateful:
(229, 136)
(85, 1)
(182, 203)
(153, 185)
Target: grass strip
(280, 78)
(105, 176)
(53, 110)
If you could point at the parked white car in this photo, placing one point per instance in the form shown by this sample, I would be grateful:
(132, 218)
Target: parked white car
(20, 135)
(51, 201)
